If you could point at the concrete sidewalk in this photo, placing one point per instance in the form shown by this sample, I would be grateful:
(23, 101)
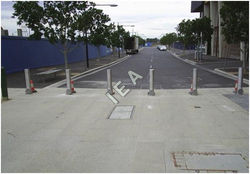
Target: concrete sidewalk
(51, 132)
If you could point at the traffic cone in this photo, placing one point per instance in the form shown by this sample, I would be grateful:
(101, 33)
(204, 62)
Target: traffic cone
(191, 88)
(236, 87)
(32, 86)
(72, 86)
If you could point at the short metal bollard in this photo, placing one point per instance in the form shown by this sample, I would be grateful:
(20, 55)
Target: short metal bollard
(4, 84)
(68, 80)
(109, 82)
(151, 82)
(240, 81)
(193, 90)
(27, 81)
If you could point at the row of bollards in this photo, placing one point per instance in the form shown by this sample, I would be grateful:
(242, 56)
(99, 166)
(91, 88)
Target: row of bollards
(30, 89)
(151, 82)
(70, 84)
(238, 84)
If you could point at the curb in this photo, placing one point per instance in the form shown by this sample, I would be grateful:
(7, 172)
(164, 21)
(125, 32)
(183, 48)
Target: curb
(89, 72)
(234, 77)
(217, 72)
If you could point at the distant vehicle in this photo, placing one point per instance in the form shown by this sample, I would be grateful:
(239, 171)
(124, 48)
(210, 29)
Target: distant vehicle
(131, 45)
(162, 47)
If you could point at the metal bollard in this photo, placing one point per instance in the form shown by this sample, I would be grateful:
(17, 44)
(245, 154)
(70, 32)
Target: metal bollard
(4, 84)
(109, 82)
(68, 80)
(240, 81)
(151, 82)
(194, 83)
(27, 81)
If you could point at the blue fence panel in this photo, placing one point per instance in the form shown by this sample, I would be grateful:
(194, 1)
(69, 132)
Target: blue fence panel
(19, 53)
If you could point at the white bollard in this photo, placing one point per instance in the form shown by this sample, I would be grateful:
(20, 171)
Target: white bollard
(109, 82)
(68, 80)
(194, 83)
(240, 81)
(27, 81)
(151, 82)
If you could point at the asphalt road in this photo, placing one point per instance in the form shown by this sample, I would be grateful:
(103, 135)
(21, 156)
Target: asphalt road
(170, 73)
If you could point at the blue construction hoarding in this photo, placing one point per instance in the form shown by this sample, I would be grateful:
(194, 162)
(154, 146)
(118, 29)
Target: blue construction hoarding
(19, 53)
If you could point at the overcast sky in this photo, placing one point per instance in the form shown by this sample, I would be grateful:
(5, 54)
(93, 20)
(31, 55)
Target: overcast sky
(152, 18)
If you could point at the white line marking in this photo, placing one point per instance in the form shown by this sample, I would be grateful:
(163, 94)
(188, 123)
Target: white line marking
(113, 99)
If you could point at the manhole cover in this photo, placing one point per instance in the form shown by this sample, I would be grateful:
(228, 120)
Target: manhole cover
(122, 112)
(210, 162)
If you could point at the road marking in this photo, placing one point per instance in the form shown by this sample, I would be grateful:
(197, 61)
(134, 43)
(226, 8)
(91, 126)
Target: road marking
(113, 99)
(84, 74)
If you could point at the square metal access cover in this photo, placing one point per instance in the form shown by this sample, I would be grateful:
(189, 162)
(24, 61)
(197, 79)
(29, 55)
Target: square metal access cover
(210, 162)
(122, 112)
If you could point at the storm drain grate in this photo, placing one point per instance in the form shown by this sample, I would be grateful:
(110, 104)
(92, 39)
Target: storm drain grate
(122, 112)
(210, 162)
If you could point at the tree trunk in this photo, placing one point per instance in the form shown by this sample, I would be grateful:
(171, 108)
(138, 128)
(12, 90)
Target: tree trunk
(65, 53)
(99, 51)
(243, 49)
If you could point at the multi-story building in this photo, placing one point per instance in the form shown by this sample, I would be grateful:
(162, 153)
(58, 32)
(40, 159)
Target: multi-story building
(219, 47)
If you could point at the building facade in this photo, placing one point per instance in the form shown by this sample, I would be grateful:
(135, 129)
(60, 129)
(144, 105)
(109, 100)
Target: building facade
(219, 47)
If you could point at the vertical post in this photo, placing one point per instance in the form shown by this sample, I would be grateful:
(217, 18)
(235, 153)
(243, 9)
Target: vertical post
(242, 54)
(19, 32)
(27, 81)
(151, 82)
(4, 84)
(240, 81)
(109, 82)
(87, 50)
(68, 79)
(194, 83)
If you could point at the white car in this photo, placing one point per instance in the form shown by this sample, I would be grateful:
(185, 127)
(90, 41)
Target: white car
(162, 48)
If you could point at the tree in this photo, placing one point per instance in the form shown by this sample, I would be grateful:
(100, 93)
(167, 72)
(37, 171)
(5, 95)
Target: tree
(235, 24)
(189, 32)
(202, 25)
(185, 33)
(101, 36)
(141, 40)
(117, 37)
(59, 21)
(168, 39)
(92, 24)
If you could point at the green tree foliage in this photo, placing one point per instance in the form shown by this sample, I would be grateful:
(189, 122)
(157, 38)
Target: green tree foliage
(189, 31)
(168, 39)
(202, 25)
(235, 25)
(153, 40)
(141, 40)
(118, 35)
(235, 21)
(185, 33)
(61, 22)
